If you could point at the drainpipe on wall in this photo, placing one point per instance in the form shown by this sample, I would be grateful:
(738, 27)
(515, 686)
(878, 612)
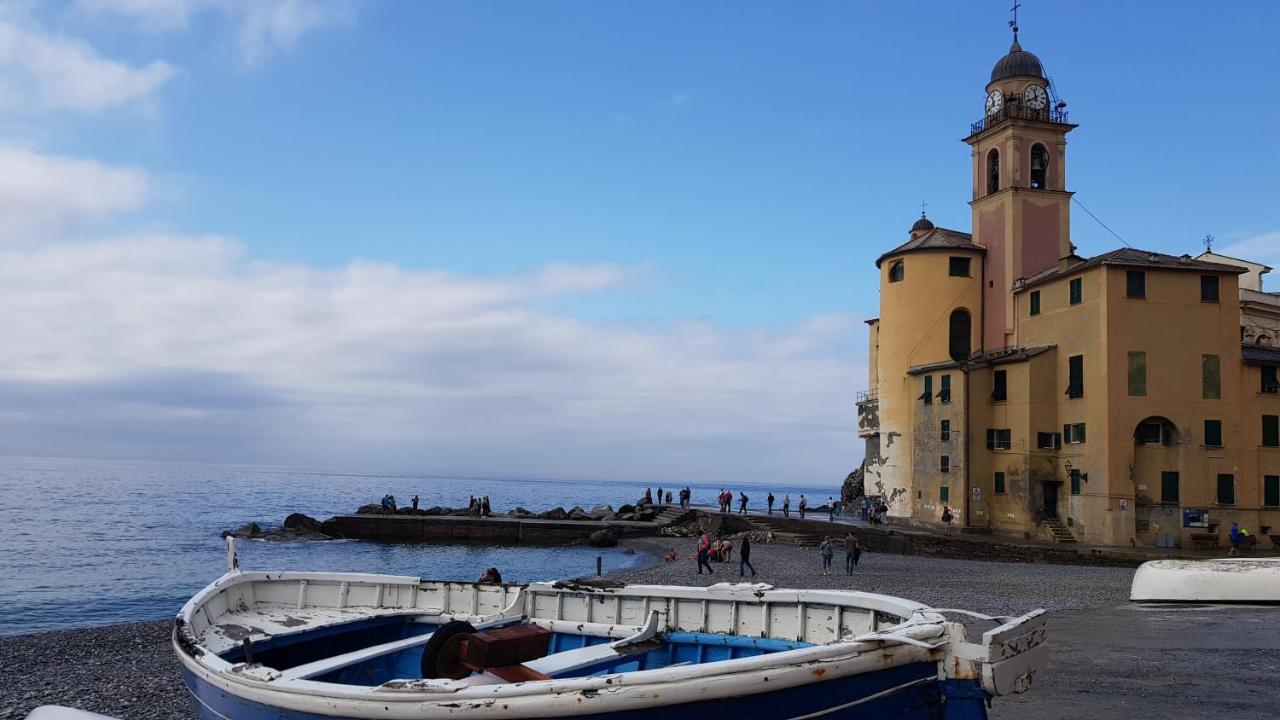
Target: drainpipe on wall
(968, 497)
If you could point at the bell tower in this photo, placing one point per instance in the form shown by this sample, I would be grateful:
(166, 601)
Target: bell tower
(1021, 207)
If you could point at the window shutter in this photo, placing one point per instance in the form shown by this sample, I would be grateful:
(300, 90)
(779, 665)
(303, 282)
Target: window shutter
(991, 439)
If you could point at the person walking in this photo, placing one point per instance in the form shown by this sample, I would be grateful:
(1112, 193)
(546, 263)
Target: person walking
(744, 557)
(852, 551)
(866, 508)
(786, 505)
(831, 509)
(742, 503)
(803, 504)
(415, 503)
(769, 500)
(827, 550)
(947, 517)
(659, 495)
(704, 547)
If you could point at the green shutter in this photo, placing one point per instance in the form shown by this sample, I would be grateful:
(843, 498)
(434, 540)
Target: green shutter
(999, 483)
(1271, 430)
(1169, 486)
(1271, 490)
(1226, 489)
(1137, 374)
(1035, 302)
(1211, 376)
(1213, 433)
(944, 493)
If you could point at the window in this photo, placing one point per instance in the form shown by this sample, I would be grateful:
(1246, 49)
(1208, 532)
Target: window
(999, 439)
(1209, 288)
(993, 171)
(1035, 302)
(1213, 433)
(999, 483)
(1151, 433)
(927, 395)
(1271, 490)
(1073, 434)
(896, 271)
(959, 267)
(1075, 481)
(961, 332)
(1075, 292)
(1211, 377)
(1048, 441)
(1135, 284)
(945, 464)
(1075, 376)
(1169, 487)
(1039, 165)
(1226, 489)
(944, 431)
(1271, 430)
(944, 392)
(1137, 374)
(999, 386)
(1270, 383)
(944, 493)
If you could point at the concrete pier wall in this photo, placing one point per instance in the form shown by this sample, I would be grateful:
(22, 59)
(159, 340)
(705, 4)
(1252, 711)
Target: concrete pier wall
(419, 528)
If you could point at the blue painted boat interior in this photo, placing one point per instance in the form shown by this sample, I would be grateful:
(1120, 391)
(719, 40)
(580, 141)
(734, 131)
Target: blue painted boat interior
(677, 648)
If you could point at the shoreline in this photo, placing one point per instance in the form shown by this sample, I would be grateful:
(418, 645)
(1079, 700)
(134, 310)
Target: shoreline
(1109, 658)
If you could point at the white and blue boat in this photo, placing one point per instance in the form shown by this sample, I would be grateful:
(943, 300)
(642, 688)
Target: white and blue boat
(302, 645)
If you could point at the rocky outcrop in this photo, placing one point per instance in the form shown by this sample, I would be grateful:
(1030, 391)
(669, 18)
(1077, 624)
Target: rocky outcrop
(602, 538)
(557, 513)
(853, 489)
(298, 521)
(296, 527)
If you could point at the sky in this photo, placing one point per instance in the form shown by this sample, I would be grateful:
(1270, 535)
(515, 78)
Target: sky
(573, 239)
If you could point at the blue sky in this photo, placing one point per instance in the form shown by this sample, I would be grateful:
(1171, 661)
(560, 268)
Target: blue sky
(727, 168)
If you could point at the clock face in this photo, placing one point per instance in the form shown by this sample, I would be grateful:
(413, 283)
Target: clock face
(1035, 97)
(995, 101)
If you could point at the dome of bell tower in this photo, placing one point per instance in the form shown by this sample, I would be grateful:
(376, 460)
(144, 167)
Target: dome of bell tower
(1017, 63)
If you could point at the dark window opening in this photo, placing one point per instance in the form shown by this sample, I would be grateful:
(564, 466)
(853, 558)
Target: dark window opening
(1270, 383)
(1211, 377)
(999, 386)
(896, 271)
(1075, 291)
(960, 336)
(927, 395)
(944, 431)
(1035, 302)
(945, 464)
(1271, 430)
(1226, 489)
(1137, 374)
(944, 493)
(1271, 490)
(1039, 165)
(1135, 284)
(1075, 376)
(999, 439)
(1156, 431)
(1048, 440)
(944, 392)
(999, 483)
(1075, 481)
(1209, 288)
(1073, 433)
(959, 267)
(993, 171)
(1213, 433)
(1169, 482)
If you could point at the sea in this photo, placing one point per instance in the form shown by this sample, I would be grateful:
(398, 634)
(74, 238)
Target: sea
(95, 542)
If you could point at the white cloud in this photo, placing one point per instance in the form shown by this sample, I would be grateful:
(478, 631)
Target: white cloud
(261, 27)
(1263, 248)
(45, 193)
(40, 71)
(204, 353)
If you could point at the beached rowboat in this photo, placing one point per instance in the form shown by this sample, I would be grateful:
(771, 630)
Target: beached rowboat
(323, 645)
(1222, 580)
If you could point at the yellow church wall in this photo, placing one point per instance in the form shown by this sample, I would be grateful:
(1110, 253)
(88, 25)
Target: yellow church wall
(928, 479)
(1259, 461)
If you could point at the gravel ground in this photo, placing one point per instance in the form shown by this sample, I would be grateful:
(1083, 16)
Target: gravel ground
(1110, 659)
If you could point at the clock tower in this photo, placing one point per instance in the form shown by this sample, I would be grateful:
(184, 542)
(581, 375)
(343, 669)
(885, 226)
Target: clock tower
(1021, 207)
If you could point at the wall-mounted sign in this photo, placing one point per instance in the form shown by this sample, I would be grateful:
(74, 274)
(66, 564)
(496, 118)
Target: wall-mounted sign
(1195, 518)
(1124, 504)
(977, 494)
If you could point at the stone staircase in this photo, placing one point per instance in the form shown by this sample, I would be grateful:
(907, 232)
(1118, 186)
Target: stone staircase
(781, 533)
(670, 514)
(1059, 531)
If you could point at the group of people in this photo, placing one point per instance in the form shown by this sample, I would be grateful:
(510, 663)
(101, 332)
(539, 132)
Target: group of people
(852, 553)
(661, 497)
(721, 551)
(874, 511)
(479, 506)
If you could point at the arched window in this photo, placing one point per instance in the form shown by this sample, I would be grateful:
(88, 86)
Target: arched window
(1039, 165)
(1262, 340)
(993, 171)
(960, 332)
(1156, 430)
(896, 271)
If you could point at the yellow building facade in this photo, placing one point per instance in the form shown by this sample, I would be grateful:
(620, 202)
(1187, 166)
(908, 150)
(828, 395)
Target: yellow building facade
(1127, 398)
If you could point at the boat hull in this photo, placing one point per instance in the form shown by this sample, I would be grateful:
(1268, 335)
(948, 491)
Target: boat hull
(1230, 580)
(907, 692)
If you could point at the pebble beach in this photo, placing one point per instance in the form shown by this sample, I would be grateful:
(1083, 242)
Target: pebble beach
(1110, 658)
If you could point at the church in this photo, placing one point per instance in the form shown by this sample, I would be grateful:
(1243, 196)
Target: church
(1125, 398)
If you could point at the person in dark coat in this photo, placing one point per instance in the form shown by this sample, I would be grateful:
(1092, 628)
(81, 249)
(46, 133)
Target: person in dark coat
(852, 551)
(744, 557)
(769, 500)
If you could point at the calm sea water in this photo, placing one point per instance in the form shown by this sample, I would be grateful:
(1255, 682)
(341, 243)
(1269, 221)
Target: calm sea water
(91, 542)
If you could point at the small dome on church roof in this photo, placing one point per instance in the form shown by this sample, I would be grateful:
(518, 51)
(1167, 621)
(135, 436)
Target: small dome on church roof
(922, 224)
(1017, 62)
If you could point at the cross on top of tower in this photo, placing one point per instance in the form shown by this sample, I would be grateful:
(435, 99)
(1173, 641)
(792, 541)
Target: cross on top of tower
(1014, 22)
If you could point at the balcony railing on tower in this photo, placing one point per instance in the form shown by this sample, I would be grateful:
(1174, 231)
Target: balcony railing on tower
(1016, 111)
